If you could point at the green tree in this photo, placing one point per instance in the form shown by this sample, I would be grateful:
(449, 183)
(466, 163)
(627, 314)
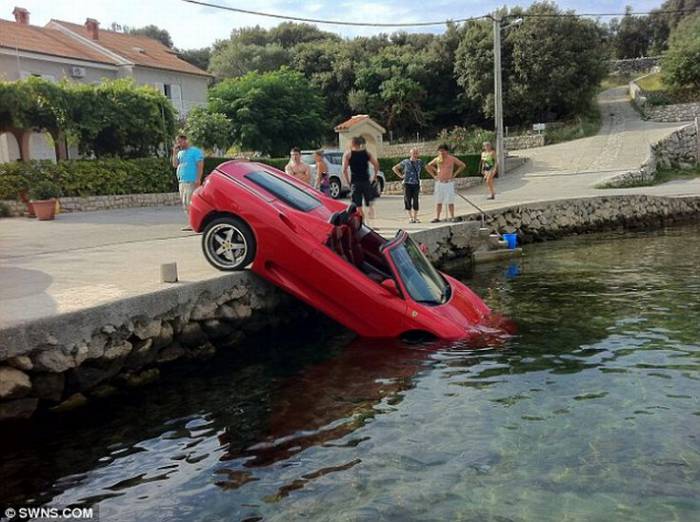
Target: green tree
(232, 59)
(665, 19)
(551, 65)
(270, 112)
(631, 36)
(681, 63)
(197, 57)
(152, 31)
(210, 130)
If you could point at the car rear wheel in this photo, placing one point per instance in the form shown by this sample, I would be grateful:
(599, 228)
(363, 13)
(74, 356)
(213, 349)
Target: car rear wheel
(335, 188)
(228, 243)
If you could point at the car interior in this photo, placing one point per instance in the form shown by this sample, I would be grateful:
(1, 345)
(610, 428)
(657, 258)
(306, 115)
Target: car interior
(358, 245)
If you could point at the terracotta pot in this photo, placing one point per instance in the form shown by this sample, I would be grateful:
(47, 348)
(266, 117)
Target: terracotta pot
(45, 209)
(24, 198)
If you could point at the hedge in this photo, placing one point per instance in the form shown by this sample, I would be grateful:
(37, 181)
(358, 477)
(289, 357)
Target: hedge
(385, 164)
(90, 177)
(102, 177)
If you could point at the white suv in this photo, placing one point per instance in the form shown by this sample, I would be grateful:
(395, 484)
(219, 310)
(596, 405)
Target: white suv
(334, 160)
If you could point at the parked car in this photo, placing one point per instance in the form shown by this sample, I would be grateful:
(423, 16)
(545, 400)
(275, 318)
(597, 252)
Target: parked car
(334, 159)
(321, 252)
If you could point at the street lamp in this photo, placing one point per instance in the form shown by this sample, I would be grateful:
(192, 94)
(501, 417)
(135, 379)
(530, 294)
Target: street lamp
(498, 89)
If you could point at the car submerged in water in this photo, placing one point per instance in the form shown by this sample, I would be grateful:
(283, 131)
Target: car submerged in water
(316, 249)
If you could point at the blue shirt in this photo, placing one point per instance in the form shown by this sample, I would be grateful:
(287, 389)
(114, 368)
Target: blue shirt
(411, 171)
(187, 160)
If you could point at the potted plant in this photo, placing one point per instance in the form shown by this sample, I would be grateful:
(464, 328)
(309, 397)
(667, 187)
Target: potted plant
(43, 198)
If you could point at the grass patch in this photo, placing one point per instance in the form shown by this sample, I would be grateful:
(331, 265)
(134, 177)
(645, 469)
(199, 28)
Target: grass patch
(662, 176)
(614, 80)
(580, 127)
(652, 82)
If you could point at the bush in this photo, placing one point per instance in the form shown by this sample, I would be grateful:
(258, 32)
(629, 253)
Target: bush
(90, 177)
(210, 130)
(681, 63)
(5, 210)
(44, 190)
(461, 139)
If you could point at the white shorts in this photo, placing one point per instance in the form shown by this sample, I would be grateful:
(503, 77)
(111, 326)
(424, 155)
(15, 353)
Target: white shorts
(186, 190)
(444, 193)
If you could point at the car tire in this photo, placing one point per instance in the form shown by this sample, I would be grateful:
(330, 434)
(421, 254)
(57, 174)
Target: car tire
(228, 243)
(335, 189)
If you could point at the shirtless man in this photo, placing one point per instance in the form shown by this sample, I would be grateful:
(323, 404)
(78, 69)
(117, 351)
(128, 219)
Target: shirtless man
(443, 170)
(298, 168)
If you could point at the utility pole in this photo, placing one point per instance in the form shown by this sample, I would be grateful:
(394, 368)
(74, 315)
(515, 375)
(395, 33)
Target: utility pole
(498, 96)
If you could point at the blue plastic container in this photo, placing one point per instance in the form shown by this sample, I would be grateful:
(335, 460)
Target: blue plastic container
(512, 240)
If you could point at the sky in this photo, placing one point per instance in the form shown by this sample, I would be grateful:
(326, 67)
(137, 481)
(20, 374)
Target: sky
(193, 26)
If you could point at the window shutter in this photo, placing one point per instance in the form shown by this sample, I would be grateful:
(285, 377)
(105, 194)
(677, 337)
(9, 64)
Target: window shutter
(176, 97)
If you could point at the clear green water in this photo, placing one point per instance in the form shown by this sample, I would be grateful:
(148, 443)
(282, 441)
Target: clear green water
(591, 412)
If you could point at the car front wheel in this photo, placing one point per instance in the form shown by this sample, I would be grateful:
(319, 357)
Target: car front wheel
(228, 243)
(335, 188)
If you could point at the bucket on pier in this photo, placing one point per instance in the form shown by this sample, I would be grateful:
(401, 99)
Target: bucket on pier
(511, 239)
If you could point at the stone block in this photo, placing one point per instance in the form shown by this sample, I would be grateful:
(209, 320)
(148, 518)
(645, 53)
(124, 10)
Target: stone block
(18, 408)
(14, 383)
(48, 386)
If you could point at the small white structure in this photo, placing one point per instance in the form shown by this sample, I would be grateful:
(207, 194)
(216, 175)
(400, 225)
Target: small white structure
(361, 125)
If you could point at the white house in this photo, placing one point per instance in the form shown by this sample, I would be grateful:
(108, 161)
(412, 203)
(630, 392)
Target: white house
(85, 53)
(364, 126)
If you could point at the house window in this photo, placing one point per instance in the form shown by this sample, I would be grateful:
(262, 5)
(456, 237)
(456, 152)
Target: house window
(167, 90)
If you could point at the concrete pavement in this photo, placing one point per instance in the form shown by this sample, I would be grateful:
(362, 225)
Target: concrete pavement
(88, 259)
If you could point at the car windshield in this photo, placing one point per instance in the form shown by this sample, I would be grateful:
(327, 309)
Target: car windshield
(284, 191)
(423, 283)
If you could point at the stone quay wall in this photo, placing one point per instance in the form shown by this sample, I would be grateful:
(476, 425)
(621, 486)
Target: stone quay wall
(64, 361)
(681, 149)
(555, 219)
(83, 204)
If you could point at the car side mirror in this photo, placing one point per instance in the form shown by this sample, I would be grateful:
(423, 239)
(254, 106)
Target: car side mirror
(390, 285)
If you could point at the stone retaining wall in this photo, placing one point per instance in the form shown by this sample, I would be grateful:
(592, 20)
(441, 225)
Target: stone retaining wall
(672, 113)
(81, 204)
(681, 149)
(633, 65)
(677, 112)
(426, 148)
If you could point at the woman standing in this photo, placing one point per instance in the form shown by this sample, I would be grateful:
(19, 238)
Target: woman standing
(322, 179)
(488, 167)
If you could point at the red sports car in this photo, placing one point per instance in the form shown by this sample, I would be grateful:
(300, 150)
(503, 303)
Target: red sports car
(321, 252)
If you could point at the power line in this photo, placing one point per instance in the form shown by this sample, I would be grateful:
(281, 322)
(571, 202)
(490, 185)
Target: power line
(432, 23)
(332, 22)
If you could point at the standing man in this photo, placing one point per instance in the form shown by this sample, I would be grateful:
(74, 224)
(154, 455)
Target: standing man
(409, 171)
(357, 159)
(298, 168)
(443, 170)
(189, 162)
